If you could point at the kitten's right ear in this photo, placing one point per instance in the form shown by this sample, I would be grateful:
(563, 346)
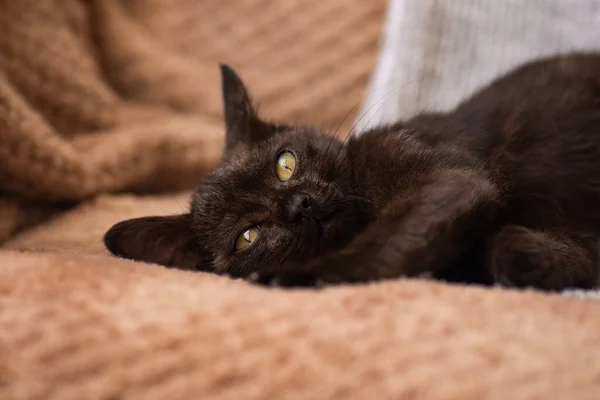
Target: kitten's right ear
(167, 241)
(241, 121)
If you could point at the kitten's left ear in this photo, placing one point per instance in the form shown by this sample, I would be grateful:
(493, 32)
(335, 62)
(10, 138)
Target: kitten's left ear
(241, 121)
(167, 241)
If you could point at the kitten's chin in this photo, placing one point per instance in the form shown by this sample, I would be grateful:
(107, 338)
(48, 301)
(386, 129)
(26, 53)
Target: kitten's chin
(310, 240)
(340, 230)
(325, 241)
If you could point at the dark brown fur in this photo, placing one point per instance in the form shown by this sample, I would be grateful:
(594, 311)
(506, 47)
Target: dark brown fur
(505, 188)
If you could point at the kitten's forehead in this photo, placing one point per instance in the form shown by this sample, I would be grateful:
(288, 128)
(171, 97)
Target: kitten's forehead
(245, 186)
(304, 141)
(236, 190)
(231, 190)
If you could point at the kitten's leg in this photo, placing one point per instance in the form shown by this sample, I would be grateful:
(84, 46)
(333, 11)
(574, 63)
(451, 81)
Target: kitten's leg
(521, 257)
(420, 231)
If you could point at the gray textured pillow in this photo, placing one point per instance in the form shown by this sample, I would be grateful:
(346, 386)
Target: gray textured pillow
(436, 52)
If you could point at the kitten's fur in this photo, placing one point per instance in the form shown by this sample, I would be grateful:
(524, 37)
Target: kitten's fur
(505, 188)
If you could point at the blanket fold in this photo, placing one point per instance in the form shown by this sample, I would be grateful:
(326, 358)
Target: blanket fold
(151, 333)
(109, 96)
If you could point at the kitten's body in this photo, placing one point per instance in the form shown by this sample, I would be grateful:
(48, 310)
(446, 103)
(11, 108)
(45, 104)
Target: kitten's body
(504, 188)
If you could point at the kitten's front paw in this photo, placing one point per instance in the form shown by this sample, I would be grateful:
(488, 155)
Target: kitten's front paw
(285, 279)
(520, 258)
(316, 273)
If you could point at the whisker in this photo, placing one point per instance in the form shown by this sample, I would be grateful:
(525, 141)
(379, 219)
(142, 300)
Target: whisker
(373, 116)
(333, 136)
(183, 209)
(388, 94)
(389, 97)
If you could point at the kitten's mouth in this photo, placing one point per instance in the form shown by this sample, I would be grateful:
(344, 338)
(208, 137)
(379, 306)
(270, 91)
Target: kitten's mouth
(312, 240)
(315, 231)
(311, 236)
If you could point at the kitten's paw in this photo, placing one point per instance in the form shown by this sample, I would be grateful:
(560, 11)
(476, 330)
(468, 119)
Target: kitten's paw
(294, 279)
(285, 279)
(519, 257)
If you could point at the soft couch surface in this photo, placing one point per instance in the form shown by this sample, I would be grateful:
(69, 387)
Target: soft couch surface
(108, 96)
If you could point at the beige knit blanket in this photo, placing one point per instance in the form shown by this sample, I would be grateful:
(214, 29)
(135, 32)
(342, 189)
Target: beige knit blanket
(107, 96)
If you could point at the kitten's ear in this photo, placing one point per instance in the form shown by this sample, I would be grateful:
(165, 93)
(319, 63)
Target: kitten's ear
(167, 241)
(241, 120)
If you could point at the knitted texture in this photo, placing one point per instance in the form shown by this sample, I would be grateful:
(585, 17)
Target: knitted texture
(82, 325)
(81, 328)
(104, 96)
(437, 53)
(115, 96)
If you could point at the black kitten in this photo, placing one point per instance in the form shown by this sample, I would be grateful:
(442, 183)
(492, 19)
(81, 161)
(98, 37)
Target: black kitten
(505, 188)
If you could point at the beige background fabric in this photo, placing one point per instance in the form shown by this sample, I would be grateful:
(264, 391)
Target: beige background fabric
(119, 96)
(104, 96)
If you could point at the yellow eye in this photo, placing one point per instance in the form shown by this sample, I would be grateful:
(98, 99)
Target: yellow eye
(286, 164)
(246, 238)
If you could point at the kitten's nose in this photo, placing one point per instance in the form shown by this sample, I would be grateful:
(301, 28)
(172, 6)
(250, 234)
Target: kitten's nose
(298, 207)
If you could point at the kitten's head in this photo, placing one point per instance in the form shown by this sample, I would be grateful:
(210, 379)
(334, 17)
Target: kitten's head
(281, 194)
